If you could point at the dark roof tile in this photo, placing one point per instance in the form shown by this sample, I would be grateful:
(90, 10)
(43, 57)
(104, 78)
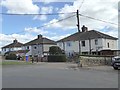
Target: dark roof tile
(40, 41)
(17, 44)
(92, 34)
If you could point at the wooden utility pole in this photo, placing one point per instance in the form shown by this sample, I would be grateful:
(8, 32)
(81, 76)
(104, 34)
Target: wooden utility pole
(78, 25)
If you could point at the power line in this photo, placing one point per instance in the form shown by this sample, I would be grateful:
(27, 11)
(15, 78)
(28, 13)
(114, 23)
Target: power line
(38, 14)
(97, 19)
(57, 21)
(81, 4)
(60, 20)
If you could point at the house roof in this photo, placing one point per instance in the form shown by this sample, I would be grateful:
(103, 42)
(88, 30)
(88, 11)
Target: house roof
(14, 44)
(40, 41)
(92, 34)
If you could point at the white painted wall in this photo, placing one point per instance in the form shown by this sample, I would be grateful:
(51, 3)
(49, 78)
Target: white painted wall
(86, 47)
(16, 48)
(60, 44)
(30, 48)
(73, 47)
(11, 49)
(112, 44)
(97, 47)
(102, 44)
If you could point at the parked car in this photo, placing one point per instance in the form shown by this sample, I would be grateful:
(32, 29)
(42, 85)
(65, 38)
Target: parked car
(116, 62)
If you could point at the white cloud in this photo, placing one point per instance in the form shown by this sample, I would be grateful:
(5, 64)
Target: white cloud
(36, 30)
(7, 39)
(58, 37)
(110, 30)
(44, 10)
(20, 6)
(63, 24)
(49, 1)
(105, 10)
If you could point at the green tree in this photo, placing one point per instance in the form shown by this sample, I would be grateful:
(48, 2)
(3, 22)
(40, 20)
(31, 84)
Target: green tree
(55, 50)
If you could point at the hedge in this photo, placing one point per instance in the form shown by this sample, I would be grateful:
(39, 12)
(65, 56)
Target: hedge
(57, 58)
(11, 57)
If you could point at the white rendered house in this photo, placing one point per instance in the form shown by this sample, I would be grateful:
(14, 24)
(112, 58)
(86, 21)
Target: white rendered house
(87, 42)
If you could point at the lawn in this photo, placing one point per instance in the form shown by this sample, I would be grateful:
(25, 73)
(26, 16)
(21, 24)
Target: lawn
(15, 63)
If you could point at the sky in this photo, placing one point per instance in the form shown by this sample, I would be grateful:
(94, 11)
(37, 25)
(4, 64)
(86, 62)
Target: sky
(25, 27)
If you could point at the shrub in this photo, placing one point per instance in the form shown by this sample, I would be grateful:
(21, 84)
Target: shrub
(11, 56)
(57, 58)
(55, 50)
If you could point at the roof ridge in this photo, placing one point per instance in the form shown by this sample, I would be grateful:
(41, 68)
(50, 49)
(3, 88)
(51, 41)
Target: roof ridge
(103, 34)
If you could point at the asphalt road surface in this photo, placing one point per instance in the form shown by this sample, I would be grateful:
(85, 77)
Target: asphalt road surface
(42, 76)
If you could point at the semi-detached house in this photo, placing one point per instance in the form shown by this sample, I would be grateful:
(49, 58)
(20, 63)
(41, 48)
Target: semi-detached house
(87, 42)
(39, 46)
(15, 46)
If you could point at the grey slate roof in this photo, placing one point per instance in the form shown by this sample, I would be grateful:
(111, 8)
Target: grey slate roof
(92, 34)
(41, 41)
(17, 44)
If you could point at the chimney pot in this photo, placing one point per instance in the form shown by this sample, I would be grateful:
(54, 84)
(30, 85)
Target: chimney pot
(15, 41)
(84, 29)
(39, 36)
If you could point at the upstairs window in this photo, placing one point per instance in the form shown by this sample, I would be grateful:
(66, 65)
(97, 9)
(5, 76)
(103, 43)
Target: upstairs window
(27, 47)
(96, 41)
(35, 47)
(108, 45)
(69, 44)
(83, 43)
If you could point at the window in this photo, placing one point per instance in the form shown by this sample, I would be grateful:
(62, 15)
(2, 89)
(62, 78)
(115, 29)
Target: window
(96, 41)
(83, 43)
(69, 44)
(27, 47)
(108, 45)
(35, 47)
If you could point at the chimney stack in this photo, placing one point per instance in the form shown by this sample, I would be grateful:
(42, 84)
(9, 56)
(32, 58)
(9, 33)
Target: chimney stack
(15, 41)
(84, 29)
(39, 36)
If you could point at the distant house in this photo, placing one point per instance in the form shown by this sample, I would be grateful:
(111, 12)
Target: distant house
(39, 46)
(15, 46)
(87, 42)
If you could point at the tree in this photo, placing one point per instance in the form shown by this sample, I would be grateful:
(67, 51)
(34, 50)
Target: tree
(55, 50)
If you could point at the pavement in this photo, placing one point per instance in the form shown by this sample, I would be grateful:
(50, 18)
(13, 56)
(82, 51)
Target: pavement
(75, 66)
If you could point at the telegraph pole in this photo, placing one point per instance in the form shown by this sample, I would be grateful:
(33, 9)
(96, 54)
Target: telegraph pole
(78, 25)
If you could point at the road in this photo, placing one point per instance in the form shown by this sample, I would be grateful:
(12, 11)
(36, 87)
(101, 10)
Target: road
(48, 76)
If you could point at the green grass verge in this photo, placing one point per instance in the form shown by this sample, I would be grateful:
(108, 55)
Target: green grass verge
(15, 63)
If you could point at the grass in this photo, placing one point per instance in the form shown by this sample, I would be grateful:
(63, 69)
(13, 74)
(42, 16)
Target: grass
(15, 63)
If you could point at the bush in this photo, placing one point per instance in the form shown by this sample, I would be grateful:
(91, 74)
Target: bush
(55, 50)
(11, 57)
(57, 58)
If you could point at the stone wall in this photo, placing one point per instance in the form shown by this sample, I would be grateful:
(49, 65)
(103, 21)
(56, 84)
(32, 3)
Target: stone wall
(95, 61)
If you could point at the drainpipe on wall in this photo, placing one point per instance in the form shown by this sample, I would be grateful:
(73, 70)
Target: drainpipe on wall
(90, 46)
(63, 46)
(79, 47)
(42, 47)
